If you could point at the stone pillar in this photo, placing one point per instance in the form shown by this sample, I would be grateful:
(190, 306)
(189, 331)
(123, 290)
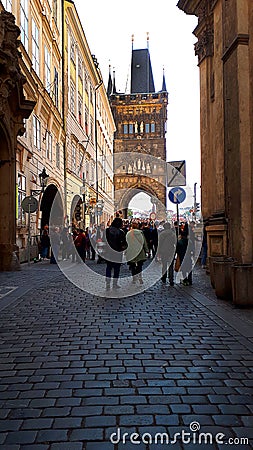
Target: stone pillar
(238, 135)
(8, 247)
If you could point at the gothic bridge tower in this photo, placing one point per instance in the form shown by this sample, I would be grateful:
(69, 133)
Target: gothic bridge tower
(139, 141)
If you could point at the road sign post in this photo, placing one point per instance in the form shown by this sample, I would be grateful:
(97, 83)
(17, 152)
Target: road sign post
(29, 205)
(177, 195)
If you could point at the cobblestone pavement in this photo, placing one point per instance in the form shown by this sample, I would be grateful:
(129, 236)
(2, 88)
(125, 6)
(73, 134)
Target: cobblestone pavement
(76, 368)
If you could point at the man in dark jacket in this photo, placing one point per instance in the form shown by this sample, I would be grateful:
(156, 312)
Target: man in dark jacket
(116, 244)
(184, 251)
(166, 250)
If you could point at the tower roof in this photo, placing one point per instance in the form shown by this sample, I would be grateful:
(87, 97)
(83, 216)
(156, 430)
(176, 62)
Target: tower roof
(141, 72)
(164, 89)
(109, 85)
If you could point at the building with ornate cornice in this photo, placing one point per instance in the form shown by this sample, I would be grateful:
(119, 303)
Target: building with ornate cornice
(139, 140)
(225, 54)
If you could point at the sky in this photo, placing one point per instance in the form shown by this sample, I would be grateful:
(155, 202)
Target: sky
(109, 25)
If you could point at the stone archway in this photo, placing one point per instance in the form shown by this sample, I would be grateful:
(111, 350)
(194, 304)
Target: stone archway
(13, 109)
(130, 186)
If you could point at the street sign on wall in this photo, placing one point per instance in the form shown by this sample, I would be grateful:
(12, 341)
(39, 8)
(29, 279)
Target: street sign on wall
(29, 204)
(176, 173)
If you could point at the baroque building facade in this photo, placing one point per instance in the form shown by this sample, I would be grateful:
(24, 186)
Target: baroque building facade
(67, 140)
(139, 141)
(225, 54)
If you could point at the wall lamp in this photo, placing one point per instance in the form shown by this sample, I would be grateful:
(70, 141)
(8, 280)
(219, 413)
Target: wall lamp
(43, 177)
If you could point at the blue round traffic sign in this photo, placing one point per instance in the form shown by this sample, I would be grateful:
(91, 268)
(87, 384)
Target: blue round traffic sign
(177, 195)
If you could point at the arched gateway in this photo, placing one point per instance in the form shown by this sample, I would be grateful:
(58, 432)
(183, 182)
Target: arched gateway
(139, 141)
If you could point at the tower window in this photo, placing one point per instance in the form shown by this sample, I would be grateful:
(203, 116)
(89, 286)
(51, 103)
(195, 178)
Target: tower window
(125, 128)
(147, 127)
(152, 127)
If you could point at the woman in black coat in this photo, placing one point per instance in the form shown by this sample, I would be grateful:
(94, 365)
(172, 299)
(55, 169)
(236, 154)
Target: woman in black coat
(184, 253)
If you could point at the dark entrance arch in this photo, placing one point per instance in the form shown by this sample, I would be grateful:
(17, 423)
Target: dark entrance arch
(76, 213)
(51, 197)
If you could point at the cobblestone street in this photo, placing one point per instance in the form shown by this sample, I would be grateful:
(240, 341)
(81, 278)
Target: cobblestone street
(78, 371)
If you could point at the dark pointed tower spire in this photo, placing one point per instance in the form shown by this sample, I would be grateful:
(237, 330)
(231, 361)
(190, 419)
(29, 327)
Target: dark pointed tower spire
(164, 89)
(114, 90)
(109, 85)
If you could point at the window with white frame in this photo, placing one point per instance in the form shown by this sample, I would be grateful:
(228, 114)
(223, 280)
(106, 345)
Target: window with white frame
(49, 145)
(74, 158)
(36, 133)
(25, 122)
(24, 23)
(80, 67)
(57, 155)
(35, 48)
(72, 49)
(7, 5)
(80, 109)
(92, 172)
(21, 195)
(86, 83)
(72, 102)
(91, 129)
(152, 127)
(56, 88)
(91, 95)
(86, 119)
(47, 69)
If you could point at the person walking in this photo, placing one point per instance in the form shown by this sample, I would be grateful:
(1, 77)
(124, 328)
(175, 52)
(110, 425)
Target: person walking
(204, 249)
(45, 244)
(65, 243)
(166, 249)
(115, 245)
(55, 244)
(184, 253)
(80, 243)
(93, 243)
(101, 242)
(136, 251)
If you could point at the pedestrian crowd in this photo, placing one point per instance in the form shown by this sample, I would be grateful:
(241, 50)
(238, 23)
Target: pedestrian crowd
(131, 241)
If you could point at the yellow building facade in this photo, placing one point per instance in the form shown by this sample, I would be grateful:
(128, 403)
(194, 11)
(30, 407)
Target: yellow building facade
(90, 128)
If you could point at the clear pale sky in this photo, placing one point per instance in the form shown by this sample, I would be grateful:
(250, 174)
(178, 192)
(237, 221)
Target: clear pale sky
(109, 25)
